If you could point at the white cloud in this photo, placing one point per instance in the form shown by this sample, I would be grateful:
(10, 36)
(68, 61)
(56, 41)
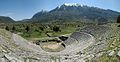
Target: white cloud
(6, 14)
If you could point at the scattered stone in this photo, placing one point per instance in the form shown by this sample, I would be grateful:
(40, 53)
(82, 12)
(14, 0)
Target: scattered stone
(118, 53)
(111, 53)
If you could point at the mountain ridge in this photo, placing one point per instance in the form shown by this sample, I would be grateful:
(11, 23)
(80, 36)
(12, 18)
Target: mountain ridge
(6, 19)
(76, 12)
(70, 13)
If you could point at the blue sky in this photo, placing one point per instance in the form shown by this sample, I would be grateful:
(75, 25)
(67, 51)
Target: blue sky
(22, 9)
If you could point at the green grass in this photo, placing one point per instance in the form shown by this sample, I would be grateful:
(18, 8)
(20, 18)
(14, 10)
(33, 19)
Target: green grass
(36, 32)
(42, 34)
(106, 58)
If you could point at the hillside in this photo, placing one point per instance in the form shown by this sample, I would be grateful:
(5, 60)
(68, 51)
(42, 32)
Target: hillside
(4, 19)
(76, 12)
(89, 44)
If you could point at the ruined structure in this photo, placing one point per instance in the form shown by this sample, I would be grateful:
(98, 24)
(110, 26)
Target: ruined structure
(83, 45)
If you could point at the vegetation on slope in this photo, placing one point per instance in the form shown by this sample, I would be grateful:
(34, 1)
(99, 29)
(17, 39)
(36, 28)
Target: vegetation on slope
(4, 19)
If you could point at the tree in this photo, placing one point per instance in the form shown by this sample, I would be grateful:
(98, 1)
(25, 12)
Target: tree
(7, 28)
(118, 19)
(41, 28)
(13, 29)
(56, 28)
(27, 29)
(78, 25)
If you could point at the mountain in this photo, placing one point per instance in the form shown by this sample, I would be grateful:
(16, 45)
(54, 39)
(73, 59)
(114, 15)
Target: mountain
(76, 12)
(4, 19)
(24, 21)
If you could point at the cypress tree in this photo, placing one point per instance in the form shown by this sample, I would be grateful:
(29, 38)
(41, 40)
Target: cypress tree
(7, 28)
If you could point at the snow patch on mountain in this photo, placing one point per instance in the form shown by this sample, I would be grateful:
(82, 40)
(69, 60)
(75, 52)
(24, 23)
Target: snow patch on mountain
(72, 4)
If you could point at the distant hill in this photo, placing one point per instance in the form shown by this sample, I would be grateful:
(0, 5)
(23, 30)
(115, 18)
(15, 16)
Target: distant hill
(24, 21)
(4, 19)
(76, 12)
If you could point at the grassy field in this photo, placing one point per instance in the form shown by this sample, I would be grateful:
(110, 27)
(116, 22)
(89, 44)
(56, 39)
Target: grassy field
(37, 31)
